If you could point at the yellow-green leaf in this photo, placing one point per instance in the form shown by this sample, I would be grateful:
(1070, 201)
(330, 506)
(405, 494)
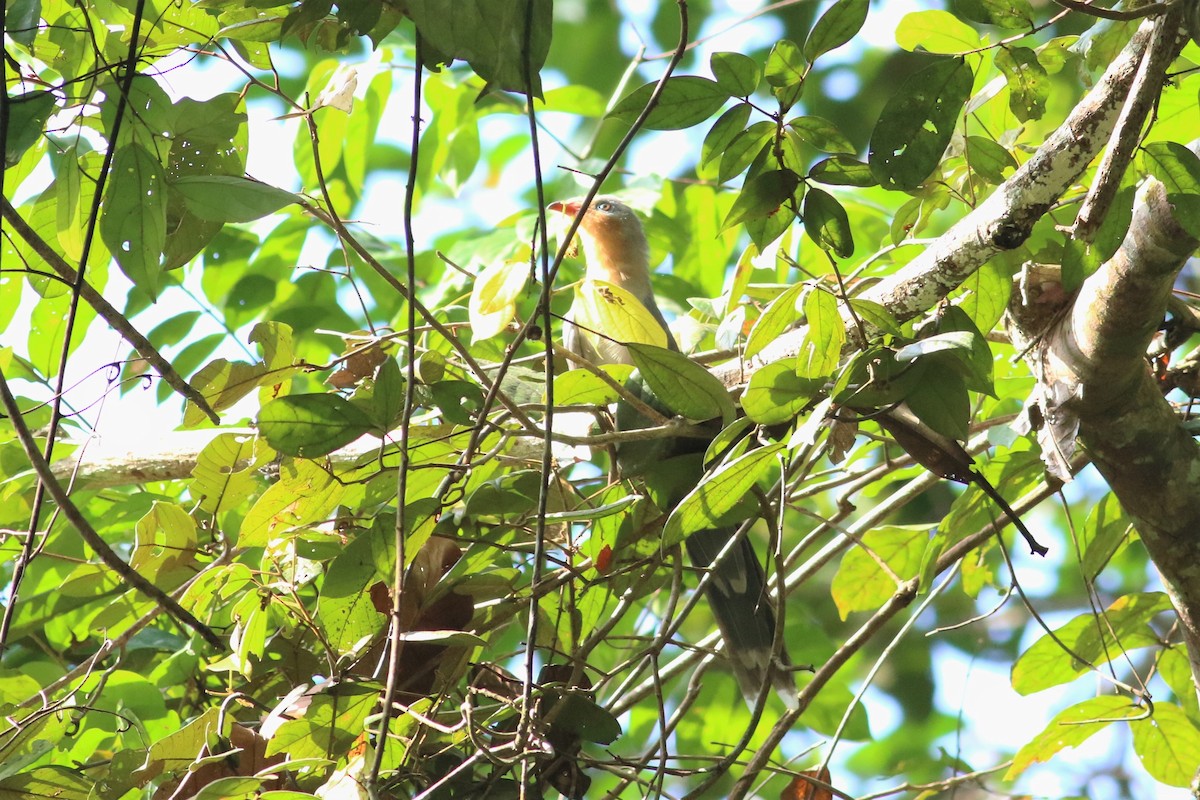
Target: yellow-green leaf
(619, 314)
(782, 314)
(305, 493)
(1168, 745)
(493, 302)
(1045, 663)
(1070, 728)
(687, 388)
(862, 582)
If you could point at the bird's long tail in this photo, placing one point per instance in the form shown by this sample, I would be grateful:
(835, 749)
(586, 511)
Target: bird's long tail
(737, 594)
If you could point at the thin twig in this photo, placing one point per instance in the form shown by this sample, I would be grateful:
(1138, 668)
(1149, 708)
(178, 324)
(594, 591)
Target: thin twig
(87, 532)
(115, 319)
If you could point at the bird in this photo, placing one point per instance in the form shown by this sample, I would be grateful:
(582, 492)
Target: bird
(615, 250)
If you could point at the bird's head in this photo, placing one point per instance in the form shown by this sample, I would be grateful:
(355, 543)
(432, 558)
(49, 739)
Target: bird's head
(613, 241)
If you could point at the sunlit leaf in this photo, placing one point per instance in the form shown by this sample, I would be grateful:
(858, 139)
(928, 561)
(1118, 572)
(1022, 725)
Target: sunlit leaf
(736, 73)
(686, 100)
(1028, 84)
(838, 25)
(684, 386)
(1046, 663)
(229, 198)
(777, 394)
(1071, 727)
(312, 425)
(134, 222)
(718, 493)
(936, 31)
(868, 574)
(1168, 744)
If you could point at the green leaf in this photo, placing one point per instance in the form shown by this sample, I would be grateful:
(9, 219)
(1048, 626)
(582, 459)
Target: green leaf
(579, 716)
(785, 72)
(513, 494)
(27, 117)
(178, 749)
(718, 493)
(1168, 745)
(823, 135)
(306, 493)
(876, 315)
(1028, 83)
(989, 159)
(274, 340)
(1105, 531)
(446, 638)
(1080, 259)
(777, 394)
(783, 313)
(148, 109)
(1176, 671)
(826, 221)
(1013, 15)
(975, 359)
(736, 73)
(387, 395)
(1125, 627)
(579, 387)
(764, 196)
(941, 400)
(723, 132)
(606, 311)
(1179, 170)
(223, 476)
(21, 23)
(335, 717)
(457, 400)
(494, 294)
(874, 379)
(134, 222)
(1071, 727)
(505, 43)
(68, 207)
(837, 25)
(312, 425)
(957, 340)
(936, 31)
(1174, 164)
(222, 383)
(822, 349)
(687, 388)
(165, 541)
(917, 123)
(685, 101)
(863, 582)
(986, 293)
(45, 782)
(345, 608)
(842, 170)
(229, 198)
(745, 147)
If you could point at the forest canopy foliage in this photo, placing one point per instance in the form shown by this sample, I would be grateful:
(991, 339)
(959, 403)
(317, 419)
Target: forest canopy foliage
(917, 265)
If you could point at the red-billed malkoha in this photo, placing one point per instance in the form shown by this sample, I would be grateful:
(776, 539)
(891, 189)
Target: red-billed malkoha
(616, 251)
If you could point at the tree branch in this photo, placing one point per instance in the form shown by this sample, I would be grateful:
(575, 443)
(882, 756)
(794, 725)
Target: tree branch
(127, 573)
(115, 319)
(1094, 362)
(1001, 222)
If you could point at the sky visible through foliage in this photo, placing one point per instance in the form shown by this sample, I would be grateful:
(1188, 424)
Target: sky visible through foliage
(983, 719)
